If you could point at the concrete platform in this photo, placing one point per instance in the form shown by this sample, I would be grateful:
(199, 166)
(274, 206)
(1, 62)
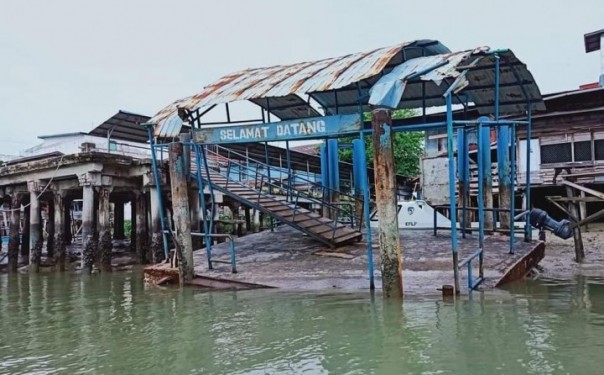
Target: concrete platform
(288, 259)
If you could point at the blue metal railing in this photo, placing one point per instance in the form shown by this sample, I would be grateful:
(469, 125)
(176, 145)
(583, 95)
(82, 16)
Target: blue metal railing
(261, 181)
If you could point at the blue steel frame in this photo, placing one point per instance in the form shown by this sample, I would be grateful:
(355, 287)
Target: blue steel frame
(361, 183)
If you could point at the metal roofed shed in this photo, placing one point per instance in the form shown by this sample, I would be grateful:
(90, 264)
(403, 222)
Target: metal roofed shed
(280, 89)
(426, 67)
(124, 126)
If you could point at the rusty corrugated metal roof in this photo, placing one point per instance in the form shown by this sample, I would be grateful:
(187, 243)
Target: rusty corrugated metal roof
(397, 76)
(279, 81)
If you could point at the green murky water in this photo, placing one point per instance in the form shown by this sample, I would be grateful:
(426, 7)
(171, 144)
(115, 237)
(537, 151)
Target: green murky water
(75, 324)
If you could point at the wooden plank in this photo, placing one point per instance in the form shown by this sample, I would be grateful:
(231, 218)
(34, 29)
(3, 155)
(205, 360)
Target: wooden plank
(583, 188)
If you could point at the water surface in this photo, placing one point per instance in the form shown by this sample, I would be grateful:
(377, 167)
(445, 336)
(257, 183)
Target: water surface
(112, 324)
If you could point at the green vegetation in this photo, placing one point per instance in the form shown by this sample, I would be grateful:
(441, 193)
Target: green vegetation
(407, 147)
(127, 228)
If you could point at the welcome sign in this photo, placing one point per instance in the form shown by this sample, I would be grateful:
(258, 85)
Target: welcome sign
(307, 128)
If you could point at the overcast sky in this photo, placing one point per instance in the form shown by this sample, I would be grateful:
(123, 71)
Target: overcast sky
(68, 65)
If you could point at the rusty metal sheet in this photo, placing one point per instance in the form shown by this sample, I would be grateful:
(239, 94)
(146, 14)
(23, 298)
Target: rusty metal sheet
(278, 81)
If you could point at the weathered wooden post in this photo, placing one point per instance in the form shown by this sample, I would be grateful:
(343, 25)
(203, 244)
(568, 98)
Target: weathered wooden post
(35, 227)
(59, 235)
(180, 207)
(13, 232)
(105, 244)
(573, 210)
(385, 189)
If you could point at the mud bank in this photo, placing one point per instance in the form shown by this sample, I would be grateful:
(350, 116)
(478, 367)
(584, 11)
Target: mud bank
(559, 262)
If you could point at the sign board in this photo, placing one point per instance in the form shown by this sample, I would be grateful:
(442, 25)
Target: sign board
(306, 128)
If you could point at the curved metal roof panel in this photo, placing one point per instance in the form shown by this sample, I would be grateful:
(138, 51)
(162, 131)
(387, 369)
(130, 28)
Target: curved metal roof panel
(300, 79)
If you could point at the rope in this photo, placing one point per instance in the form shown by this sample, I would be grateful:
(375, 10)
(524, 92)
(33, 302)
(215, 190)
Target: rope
(54, 174)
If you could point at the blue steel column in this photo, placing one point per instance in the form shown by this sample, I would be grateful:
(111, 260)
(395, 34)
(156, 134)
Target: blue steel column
(513, 188)
(202, 199)
(289, 172)
(452, 200)
(362, 189)
(503, 171)
(482, 129)
(325, 196)
(527, 226)
(158, 188)
(485, 149)
(463, 174)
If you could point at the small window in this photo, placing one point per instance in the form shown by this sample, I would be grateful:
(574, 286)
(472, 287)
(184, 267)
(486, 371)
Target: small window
(583, 151)
(560, 153)
(599, 148)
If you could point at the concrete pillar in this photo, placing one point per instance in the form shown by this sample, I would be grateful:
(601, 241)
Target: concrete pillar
(504, 174)
(118, 219)
(59, 234)
(133, 224)
(13, 232)
(180, 206)
(50, 229)
(157, 251)
(67, 232)
(25, 236)
(105, 244)
(88, 246)
(141, 227)
(385, 189)
(35, 227)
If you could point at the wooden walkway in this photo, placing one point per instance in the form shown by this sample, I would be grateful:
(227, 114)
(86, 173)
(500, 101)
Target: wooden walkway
(288, 259)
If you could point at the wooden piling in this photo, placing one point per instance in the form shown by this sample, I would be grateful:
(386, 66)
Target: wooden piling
(180, 208)
(385, 188)
(574, 211)
(105, 244)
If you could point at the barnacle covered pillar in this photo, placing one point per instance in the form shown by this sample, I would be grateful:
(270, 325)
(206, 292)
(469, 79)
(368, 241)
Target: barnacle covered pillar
(180, 208)
(141, 226)
(13, 232)
(385, 189)
(35, 227)
(105, 244)
(59, 233)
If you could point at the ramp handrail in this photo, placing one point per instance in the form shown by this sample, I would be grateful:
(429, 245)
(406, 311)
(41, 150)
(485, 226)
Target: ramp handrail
(335, 208)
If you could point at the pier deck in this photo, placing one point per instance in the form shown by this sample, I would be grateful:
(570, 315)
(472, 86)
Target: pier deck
(290, 260)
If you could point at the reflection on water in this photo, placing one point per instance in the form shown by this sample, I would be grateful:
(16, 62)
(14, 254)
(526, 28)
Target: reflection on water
(112, 324)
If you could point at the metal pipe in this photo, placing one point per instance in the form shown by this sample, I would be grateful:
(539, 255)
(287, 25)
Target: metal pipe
(452, 189)
(528, 227)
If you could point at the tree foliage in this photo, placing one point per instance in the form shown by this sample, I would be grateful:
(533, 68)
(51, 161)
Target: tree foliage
(407, 147)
